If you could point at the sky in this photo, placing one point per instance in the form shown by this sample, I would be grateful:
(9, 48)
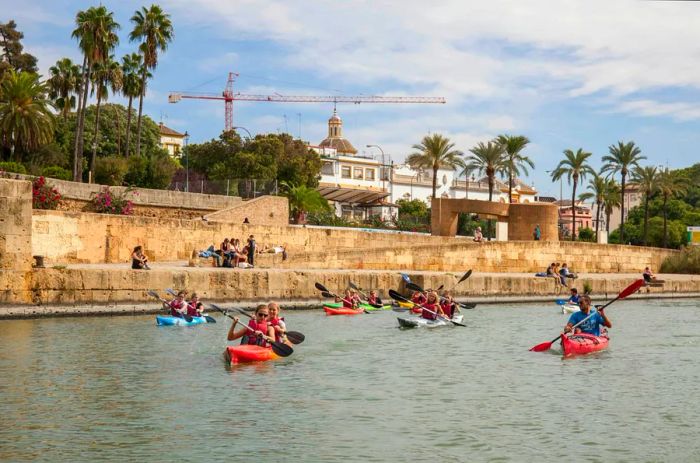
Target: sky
(566, 74)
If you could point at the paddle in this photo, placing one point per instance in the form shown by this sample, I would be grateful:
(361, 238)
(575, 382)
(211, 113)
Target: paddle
(278, 348)
(631, 289)
(560, 301)
(464, 305)
(155, 294)
(329, 294)
(396, 296)
(323, 290)
(206, 317)
(405, 278)
(352, 285)
(294, 337)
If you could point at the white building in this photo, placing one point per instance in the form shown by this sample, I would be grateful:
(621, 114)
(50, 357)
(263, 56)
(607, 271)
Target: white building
(171, 140)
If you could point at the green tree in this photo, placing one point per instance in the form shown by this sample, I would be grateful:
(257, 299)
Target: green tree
(153, 28)
(298, 164)
(413, 207)
(26, 119)
(105, 75)
(95, 30)
(611, 200)
(488, 159)
(64, 84)
(515, 162)
(647, 179)
(623, 157)
(434, 152)
(132, 68)
(575, 167)
(670, 185)
(11, 51)
(597, 186)
(302, 200)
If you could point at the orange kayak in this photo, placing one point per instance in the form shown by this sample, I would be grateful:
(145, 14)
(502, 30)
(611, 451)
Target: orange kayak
(341, 311)
(248, 353)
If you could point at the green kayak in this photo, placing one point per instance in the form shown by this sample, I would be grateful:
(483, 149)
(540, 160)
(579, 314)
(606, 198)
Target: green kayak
(363, 305)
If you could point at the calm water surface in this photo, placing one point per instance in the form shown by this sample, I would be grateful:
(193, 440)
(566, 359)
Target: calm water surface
(358, 389)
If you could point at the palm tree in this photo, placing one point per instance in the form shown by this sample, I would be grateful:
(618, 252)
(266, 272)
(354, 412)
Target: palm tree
(96, 34)
(131, 70)
(107, 74)
(574, 166)
(647, 178)
(466, 171)
(434, 152)
(64, 84)
(303, 199)
(516, 163)
(152, 26)
(597, 186)
(611, 200)
(487, 159)
(26, 118)
(670, 185)
(622, 158)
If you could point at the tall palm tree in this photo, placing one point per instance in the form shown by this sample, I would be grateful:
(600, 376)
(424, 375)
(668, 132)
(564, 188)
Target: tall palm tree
(647, 179)
(516, 163)
(131, 69)
(623, 158)
(105, 75)
(670, 185)
(488, 159)
(96, 34)
(64, 85)
(152, 26)
(303, 199)
(466, 171)
(26, 118)
(597, 186)
(611, 200)
(575, 166)
(434, 152)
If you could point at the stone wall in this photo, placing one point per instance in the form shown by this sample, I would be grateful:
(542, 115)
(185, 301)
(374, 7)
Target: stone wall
(15, 238)
(266, 210)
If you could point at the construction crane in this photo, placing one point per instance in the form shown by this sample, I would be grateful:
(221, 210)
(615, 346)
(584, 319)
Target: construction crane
(229, 97)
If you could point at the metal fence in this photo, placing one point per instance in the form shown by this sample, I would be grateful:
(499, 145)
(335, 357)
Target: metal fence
(245, 188)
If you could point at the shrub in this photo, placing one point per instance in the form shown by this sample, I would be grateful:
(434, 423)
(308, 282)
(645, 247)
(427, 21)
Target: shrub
(586, 234)
(57, 172)
(687, 261)
(110, 170)
(108, 202)
(14, 167)
(44, 196)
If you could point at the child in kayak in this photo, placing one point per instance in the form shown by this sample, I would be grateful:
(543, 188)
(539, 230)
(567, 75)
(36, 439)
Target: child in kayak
(448, 305)
(373, 299)
(262, 329)
(195, 306)
(349, 302)
(418, 298)
(574, 298)
(591, 325)
(177, 306)
(431, 308)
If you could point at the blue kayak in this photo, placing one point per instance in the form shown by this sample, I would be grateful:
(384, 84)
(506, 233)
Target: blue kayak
(169, 320)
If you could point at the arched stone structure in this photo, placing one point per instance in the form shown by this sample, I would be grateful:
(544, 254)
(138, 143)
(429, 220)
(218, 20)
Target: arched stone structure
(521, 218)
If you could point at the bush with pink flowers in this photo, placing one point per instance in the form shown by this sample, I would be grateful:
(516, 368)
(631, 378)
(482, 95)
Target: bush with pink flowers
(109, 202)
(44, 196)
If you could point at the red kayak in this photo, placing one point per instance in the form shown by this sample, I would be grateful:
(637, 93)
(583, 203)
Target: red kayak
(248, 353)
(582, 343)
(342, 311)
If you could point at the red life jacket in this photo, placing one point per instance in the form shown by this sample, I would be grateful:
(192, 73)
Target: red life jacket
(252, 338)
(348, 303)
(418, 298)
(175, 307)
(372, 300)
(446, 307)
(275, 322)
(428, 315)
(192, 309)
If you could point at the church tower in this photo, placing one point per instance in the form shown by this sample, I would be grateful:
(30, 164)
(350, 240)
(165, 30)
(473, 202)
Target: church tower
(335, 137)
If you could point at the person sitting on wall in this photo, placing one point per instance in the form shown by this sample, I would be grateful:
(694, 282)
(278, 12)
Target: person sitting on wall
(648, 276)
(139, 261)
(239, 254)
(566, 273)
(225, 252)
(478, 236)
(553, 272)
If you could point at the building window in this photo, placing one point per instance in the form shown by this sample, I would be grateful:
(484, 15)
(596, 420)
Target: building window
(345, 172)
(327, 168)
(369, 174)
(357, 173)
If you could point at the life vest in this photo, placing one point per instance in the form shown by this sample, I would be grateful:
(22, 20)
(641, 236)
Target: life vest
(192, 309)
(349, 303)
(175, 307)
(373, 300)
(419, 298)
(447, 307)
(428, 315)
(275, 322)
(252, 338)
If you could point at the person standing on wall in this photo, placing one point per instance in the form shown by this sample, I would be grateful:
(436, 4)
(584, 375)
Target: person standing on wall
(537, 234)
(251, 250)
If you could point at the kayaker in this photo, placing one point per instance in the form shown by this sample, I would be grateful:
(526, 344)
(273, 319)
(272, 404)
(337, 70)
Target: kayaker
(195, 306)
(448, 305)
(177, 306)
(574, 298)
(418, 298)
(431, 308)
(373, 298)
(356, 300)
(349, 302)
(590, 326)
(262, 329)
(277, 322)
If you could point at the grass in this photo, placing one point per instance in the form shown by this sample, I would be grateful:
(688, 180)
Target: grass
(688, 261)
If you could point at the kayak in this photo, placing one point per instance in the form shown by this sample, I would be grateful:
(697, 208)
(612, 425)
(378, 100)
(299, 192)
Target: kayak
(342, 310)
(169, 320)
(420, 322)
(582, 343)
(570, 308)
(246, 353)
(363, 305)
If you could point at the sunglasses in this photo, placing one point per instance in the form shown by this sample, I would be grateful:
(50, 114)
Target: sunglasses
(262, 314)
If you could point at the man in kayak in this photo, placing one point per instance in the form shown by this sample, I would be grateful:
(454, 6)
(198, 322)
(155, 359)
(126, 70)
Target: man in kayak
(592, 324)
(177, 306)
(574, 298)
(262, 331)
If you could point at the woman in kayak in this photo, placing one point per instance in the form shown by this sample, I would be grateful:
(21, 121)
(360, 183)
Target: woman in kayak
(448, 305)
(592, 324)
(262, 329)
(431, 308)
(418, 298)
(373, 299)
(195, 306)
(349, 302)
(177, 306)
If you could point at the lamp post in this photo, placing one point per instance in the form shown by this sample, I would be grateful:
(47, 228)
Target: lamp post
(250, 137)
(420, 171)
(381, 170)
(187, 163)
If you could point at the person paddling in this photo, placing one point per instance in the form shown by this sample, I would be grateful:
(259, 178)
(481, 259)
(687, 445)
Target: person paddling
(374, 299)
(574, 298)
(277, 323)
(177, 306)
(431, 308)
(448, 305)
(195, 306)
(418, 298)
(349, 302)
(592, 324)
(260, 326)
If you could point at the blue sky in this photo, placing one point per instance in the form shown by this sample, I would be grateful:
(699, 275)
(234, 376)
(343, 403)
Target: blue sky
(567, 74)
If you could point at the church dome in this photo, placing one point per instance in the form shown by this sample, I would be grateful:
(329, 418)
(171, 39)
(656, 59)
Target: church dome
(335, 137)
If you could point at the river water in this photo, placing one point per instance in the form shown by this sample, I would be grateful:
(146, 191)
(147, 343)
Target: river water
(358, 389)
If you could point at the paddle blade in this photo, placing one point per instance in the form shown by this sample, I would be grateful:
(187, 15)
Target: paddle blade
(542, 347)
(320, 287)
(396, 296)
(440, 288)
(281, 349)
(353, 286)
(465, 276)
(170, 291)
(187, 318)
(560, 301)
(631, 289)
(467, 305)
(210, 319)
(153, 294)
(414, 287)
(243, 312)
(405, 278)
(295, 337)
(327, 294)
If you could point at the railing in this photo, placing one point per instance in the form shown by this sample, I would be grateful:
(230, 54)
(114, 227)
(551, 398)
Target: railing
(245, 188)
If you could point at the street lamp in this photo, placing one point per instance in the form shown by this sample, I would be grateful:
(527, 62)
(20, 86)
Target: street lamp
(187, 163)
(381, 171)
(250, 137)
(419, 172)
